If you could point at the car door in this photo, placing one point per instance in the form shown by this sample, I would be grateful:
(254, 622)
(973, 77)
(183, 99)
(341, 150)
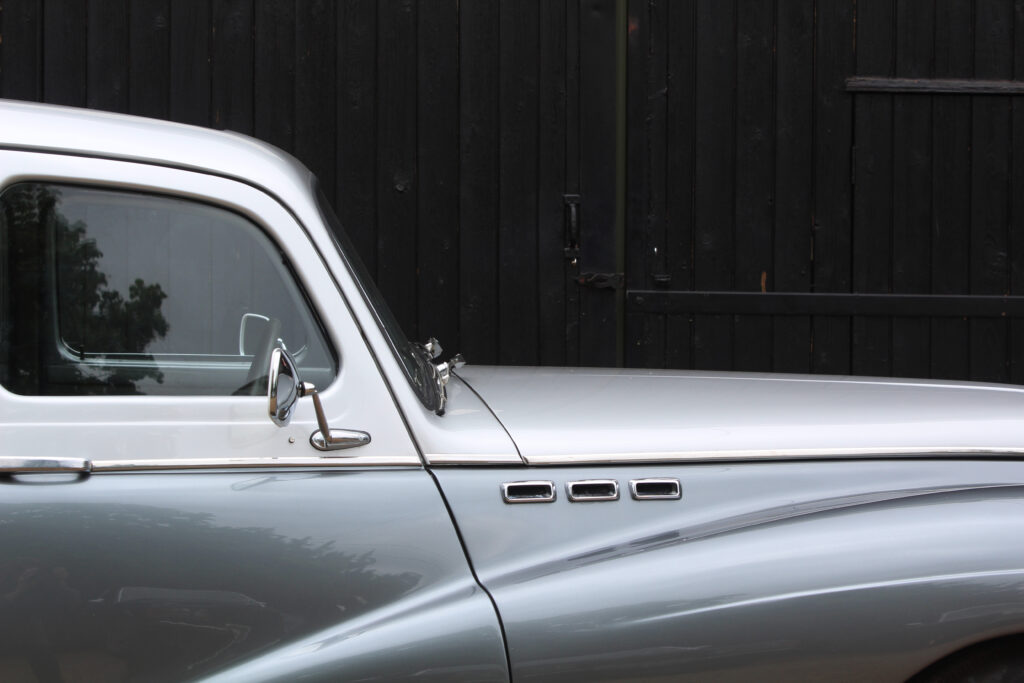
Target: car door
(155, 523)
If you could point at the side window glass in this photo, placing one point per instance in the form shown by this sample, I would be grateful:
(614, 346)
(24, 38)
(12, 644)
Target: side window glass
(109, 292)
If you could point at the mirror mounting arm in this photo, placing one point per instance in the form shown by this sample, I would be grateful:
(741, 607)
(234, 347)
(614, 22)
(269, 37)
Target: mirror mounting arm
(282, 402)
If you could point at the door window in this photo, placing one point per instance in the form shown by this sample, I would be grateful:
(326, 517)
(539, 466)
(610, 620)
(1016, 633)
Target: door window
(113, 292)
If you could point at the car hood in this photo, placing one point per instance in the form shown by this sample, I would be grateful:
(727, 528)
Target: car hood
(561, 415)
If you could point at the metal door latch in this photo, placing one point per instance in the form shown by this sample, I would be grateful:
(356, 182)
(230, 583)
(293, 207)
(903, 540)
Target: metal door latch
(601, 280)
(572, 226)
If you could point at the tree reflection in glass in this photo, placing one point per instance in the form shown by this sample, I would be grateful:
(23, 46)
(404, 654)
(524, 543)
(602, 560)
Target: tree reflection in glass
(95, 323)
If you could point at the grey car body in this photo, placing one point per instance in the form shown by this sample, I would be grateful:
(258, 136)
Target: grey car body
(536, 524)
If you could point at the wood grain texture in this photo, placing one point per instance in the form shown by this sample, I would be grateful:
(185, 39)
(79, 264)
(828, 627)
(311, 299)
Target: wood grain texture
(873, 188)
(646, 98)
(397, 182)
(794, 178)
(518, 342)
(681, 173)
(190, 74)
(598, 212)
(833, 126)
(21, 73)
(231, 65)
(356, 146)
(990, 199)
(714, 242)
(553, 270)
(64, 53)
(789, 146)
(912, 184)
(438, 171)
(934, 86)
(149, 55)
(478, 179)
(107, 66)
(754, 196)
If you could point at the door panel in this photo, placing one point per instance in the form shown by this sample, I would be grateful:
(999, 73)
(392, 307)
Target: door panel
(196, 537)
(167, 576)
(775, 571)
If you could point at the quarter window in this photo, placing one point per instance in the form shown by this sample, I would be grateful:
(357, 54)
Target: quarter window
(110, 292)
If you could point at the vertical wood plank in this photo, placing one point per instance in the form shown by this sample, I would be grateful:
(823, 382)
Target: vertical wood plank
(912, 184)
(872, 192)
(231, 89)
(478, 179)
(834, 59)
(274, 93)
(190, 62)
(438, 135)
(646, 97)
(951, 187)
(794, 177)
(755, 159)
(715, 153)
(397, 184)
(64, 53)
(316, 97)
(517, 231)
(1016, 228)
(356, 195)
(572, 171)
(990, 200)
(149, 58)
(598, 140)
(1016, 341)
(21, 50)
(551, 168)
(107, 65)
(680, 173)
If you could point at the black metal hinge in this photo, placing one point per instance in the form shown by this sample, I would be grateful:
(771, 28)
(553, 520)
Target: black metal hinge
(602, 280)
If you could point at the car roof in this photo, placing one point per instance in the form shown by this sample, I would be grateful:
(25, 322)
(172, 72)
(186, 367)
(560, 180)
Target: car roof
(69, 130)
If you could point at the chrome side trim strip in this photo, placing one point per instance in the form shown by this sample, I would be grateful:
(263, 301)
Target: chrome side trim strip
(772, 454)
(473, 459)
(252, 463)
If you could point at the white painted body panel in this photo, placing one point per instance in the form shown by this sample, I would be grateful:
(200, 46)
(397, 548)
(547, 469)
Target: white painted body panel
(116, 136)
(599, 415)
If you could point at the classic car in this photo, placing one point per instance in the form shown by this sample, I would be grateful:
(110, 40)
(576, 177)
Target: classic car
(221, 459)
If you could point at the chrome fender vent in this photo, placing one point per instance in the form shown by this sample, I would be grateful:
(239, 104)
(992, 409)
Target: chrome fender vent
(528, 491)
(592, 490)
(656, 489)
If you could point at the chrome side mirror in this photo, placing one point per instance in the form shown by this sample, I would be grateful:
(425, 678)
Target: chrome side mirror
(284, 389)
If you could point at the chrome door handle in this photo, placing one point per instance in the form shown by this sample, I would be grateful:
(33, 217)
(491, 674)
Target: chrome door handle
(340, 439)
(9, 465)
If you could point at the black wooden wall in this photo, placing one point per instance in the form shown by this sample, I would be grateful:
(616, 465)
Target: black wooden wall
(776, 192)
(792, 158)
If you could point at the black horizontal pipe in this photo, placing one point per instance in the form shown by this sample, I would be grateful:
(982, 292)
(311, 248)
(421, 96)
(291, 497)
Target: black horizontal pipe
(804, 303)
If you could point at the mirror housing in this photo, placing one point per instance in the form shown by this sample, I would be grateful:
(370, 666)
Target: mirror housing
(283, 387)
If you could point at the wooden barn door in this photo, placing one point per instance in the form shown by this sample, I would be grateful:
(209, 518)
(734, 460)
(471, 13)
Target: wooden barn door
(826, 186)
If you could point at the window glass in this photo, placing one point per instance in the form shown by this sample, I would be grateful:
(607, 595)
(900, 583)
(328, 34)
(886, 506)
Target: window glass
(108, 292)
(418, 369)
